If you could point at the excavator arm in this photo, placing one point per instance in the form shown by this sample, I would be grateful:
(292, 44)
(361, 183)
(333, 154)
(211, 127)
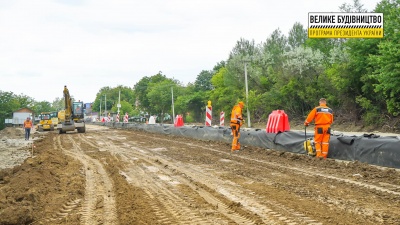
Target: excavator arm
(72, 117)
(68, 105)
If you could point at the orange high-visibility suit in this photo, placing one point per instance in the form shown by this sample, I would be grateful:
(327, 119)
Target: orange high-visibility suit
(323, 116)
(28, 126)
(236, 123)
(28, 123)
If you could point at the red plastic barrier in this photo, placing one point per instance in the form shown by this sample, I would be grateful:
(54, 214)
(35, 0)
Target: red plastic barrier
(178, 121)
(278, 121)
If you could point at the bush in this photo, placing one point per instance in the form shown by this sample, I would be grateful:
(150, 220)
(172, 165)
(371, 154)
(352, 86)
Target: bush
(189, 119)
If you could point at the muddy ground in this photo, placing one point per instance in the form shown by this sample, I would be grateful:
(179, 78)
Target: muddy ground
(112, 176)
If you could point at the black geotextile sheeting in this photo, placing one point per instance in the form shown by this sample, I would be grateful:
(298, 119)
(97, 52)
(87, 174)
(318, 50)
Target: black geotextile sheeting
(368, 148)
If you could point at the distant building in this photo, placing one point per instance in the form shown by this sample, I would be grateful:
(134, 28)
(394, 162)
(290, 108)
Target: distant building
(88, 108)
(90, 116)
(20, 116)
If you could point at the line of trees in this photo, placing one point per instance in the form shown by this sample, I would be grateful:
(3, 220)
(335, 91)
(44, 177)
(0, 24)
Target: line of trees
(359, 77)
(10, 102)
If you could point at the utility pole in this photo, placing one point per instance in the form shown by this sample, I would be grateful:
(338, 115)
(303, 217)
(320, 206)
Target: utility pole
(105, 105)
(119, 101)
(100, 107)
(173, 108)
(247, 94)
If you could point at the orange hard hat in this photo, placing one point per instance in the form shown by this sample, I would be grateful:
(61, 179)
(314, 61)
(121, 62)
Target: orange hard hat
(241, 103)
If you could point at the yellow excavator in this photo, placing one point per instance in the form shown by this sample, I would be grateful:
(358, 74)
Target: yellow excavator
(72, 117)
(47, 121)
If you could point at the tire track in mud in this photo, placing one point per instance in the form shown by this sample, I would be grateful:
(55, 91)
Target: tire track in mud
(167, 199)
(190, 177)
(350, 206)
(168, 177)
(170, 205)
(234, 193)
(67, 208)
(98, 205)
(158, 167)
(305, 172)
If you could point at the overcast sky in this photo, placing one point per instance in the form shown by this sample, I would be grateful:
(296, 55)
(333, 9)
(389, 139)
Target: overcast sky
(90, 44)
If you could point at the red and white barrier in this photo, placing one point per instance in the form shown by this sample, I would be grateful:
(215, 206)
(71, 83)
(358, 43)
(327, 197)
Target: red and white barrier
(208, 115)
(126, 118)
(222, 119)
(117, 118)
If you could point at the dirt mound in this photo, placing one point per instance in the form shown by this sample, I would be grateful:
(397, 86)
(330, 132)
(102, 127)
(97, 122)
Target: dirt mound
(40, 185)
(11, 133)
(14, 149)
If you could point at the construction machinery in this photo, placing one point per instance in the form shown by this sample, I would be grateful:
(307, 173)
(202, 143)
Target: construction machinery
(47, 121)
(309, 144)
(61, 116)
(72, 117)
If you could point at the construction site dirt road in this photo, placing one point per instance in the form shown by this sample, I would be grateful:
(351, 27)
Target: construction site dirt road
(113, 176)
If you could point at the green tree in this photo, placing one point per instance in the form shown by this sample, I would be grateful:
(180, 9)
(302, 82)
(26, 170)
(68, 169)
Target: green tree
(324, 45)
(109, 98)
(224, 96)
(361, 84)
(43, 106)
(25, 101)
(339, 74)
(271, 60)
(141, 90)
(103, 99)
(191, 102)
(274, 48)
(126, 107)
(125, 93)
(203, 81)
(244, 52)
(304, 67)
(297, 35)
(160, 96)
(58, 103)
(8, 104)
(386, 61)
(218, 66)
(356, 7)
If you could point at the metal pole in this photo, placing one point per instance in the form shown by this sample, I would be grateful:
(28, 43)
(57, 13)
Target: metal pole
(119, 100)
(173, 108)
(100, 108)
(247, 95)
(105, 105)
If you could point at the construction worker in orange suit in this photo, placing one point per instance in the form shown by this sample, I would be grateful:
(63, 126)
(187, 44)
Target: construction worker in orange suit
(28, 125)
(236, 123)
(323, 118)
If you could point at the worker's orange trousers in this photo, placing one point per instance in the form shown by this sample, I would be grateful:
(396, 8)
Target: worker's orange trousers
(321, 139)
(236, 135)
